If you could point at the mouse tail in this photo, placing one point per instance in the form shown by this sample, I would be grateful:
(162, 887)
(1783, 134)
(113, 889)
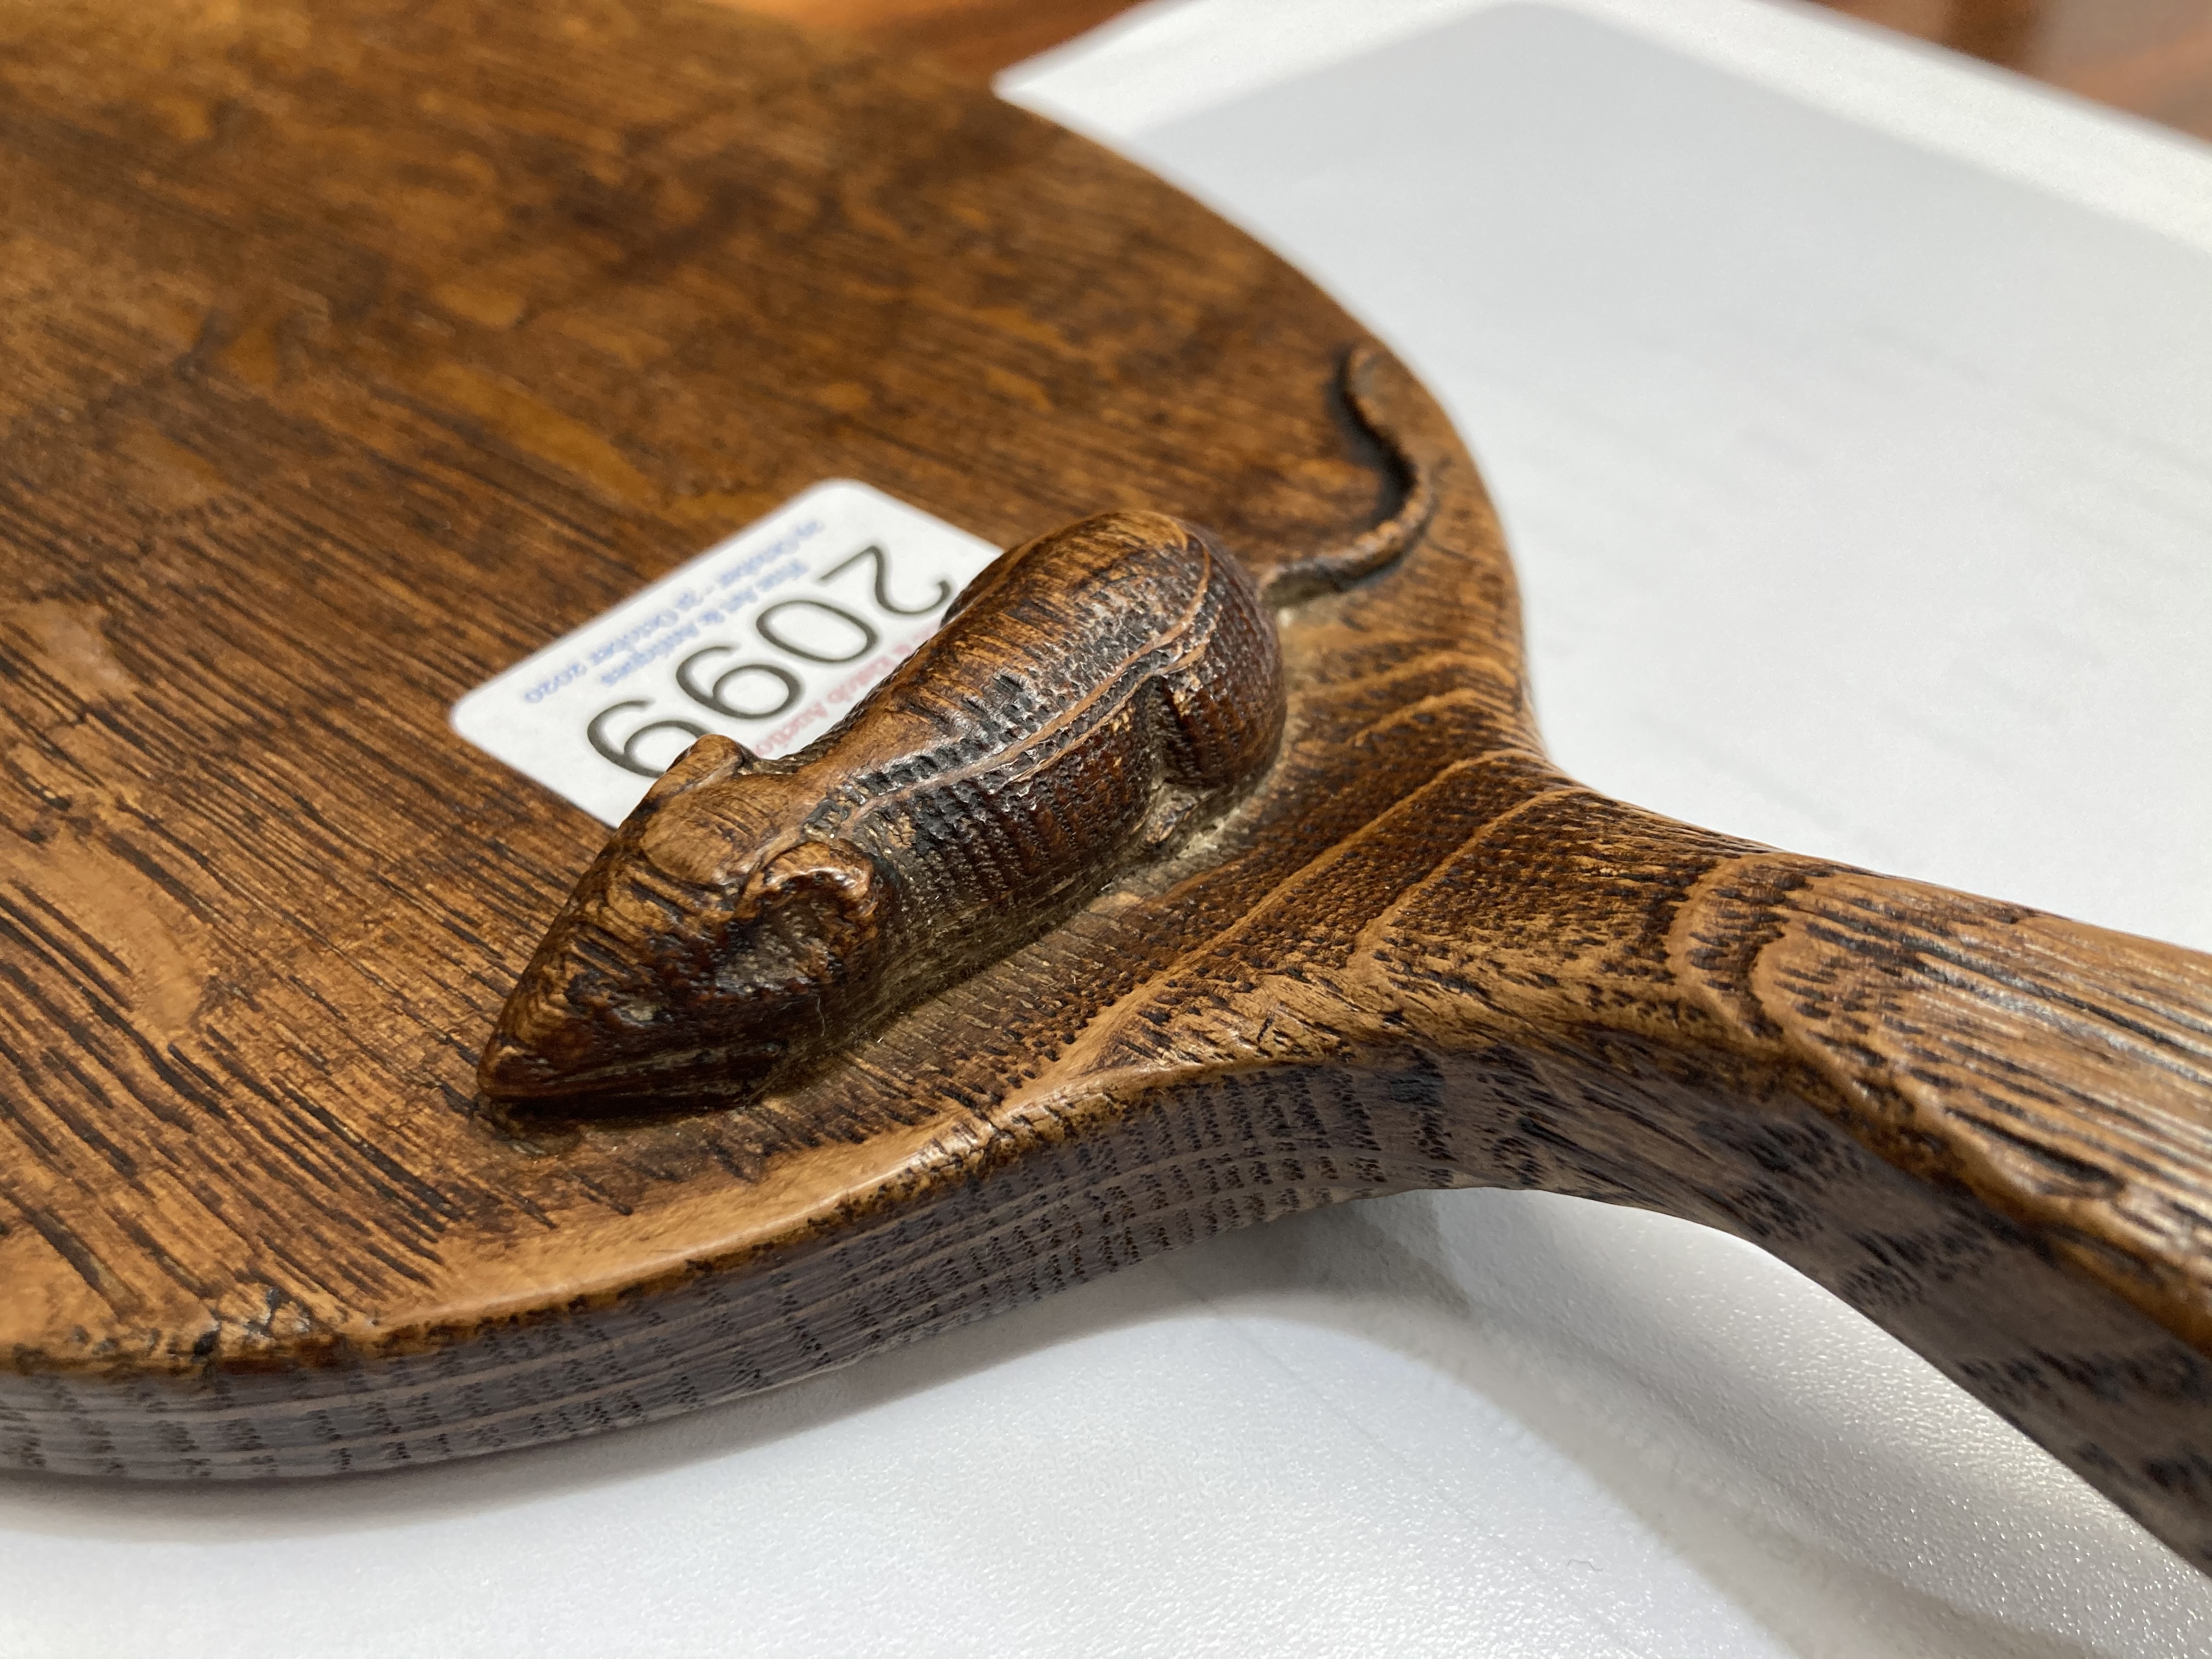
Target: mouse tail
(1391, 409)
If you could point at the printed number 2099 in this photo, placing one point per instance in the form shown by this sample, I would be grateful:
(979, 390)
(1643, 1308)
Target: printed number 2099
(800, 637)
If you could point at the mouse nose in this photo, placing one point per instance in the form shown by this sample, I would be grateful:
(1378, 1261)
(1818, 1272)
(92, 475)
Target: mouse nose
(622, 1000)
(577, 1018)
(580, 1059)
(512, 1069)
(544, 1045)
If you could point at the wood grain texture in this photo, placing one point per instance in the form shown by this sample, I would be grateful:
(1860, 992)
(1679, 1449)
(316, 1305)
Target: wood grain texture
(974, 39)
(360, 351)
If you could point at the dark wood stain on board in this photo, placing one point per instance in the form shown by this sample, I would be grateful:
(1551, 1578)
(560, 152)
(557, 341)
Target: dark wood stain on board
(357, 351)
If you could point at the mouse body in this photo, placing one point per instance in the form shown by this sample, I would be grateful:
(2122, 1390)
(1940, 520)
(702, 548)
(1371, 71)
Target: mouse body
(1093, 697)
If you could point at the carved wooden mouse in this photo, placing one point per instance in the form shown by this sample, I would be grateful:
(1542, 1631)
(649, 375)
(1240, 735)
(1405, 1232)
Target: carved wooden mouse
(1093, 697)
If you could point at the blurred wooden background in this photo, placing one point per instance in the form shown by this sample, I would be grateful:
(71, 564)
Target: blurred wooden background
(2151, 57)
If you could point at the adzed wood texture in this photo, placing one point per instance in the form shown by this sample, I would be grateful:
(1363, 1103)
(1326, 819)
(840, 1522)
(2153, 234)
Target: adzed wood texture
(358, 350)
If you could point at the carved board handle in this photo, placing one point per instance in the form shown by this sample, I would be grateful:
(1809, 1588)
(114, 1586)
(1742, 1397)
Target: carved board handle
(1988, 1128)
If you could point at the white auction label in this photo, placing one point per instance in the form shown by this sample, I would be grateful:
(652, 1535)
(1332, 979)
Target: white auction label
(768, 637)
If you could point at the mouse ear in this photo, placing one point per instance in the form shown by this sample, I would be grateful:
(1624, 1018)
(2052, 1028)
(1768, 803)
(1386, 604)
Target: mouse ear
(836, 873)
(709, 760)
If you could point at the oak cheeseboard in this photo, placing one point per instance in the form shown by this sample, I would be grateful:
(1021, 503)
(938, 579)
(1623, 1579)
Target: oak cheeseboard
(361, 351)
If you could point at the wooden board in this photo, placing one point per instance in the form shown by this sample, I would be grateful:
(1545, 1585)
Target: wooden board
(356, 353)
(364, 352)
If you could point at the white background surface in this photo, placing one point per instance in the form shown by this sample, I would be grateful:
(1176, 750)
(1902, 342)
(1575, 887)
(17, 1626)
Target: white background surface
(1861, 499)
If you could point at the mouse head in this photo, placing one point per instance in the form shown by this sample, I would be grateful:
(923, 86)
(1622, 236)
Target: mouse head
(712, 939)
